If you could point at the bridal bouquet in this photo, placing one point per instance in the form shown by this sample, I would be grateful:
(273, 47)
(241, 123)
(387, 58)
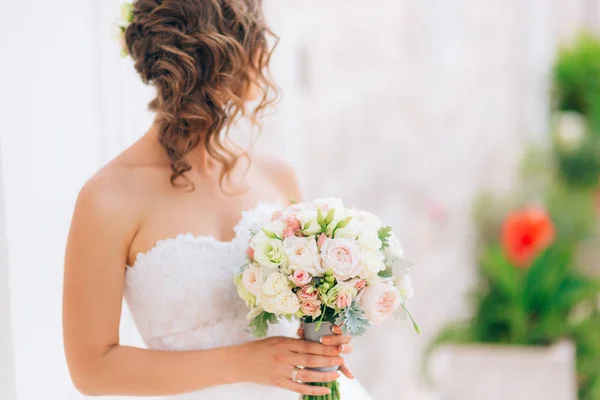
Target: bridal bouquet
(325, 264)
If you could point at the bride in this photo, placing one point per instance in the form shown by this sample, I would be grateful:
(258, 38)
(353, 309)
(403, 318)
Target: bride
(167, 222)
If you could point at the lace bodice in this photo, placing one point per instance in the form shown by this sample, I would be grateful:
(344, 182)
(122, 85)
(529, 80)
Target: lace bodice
(181, 292)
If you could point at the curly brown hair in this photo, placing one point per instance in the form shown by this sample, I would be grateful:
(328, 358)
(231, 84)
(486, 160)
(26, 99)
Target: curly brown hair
(203, 57)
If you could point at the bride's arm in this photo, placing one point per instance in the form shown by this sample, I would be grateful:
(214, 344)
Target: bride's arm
(102, 227)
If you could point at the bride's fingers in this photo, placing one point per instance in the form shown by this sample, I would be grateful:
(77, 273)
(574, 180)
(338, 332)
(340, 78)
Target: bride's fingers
(313, 361)
(305, 389)
(301, 333)
(306, 347)
(346, 348)
(306, 375)
(346, 371)
(336, 340)
(337, 330)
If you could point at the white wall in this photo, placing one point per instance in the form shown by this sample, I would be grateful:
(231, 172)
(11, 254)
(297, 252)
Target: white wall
(430, 100)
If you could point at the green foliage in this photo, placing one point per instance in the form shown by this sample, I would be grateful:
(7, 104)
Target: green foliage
(577, 78)
(353, 320)
(260, 324)
(384, 235)
(577, 88)
(529, 306)
(587, 337)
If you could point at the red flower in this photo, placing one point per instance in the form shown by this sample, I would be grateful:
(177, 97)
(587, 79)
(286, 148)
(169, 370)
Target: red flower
(525, 234)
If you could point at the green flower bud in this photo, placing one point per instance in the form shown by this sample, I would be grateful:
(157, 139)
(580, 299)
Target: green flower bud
(330, 278)
(325, 285)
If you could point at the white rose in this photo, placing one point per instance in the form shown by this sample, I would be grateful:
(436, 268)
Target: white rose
(366, 221)
(370, 239)
(380, 301)
(286, 303)
(329, 203)
(268, 252)
(394, 254)
(303, 253)
(371, 263)
(252, 279)
(275, 283)
(341, 256)
(404, 285)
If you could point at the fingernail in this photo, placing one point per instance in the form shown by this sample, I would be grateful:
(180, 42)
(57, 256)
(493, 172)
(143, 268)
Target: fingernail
(343, 348)
(321, 340)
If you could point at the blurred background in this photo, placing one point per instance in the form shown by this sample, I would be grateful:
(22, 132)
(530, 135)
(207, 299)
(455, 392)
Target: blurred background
(408, 108)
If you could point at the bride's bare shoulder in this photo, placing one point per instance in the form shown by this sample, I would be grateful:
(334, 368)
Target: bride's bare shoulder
(281, 172)
(123, 186)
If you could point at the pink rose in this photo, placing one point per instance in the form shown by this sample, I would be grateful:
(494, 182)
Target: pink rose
(360, 285)
(380, 301)
(341, 256)
(308, 293)
(288, 232)
(321, 240)
(250, 252)
(344, 299)
(293, 223)
(311, 308)
(300, 277)
(276, 215)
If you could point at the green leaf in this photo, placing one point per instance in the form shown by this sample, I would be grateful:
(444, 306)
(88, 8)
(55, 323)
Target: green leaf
(384, 235)
(330, 216)
(353, 321)
(260, 324)
(292, 201)
(386, 273)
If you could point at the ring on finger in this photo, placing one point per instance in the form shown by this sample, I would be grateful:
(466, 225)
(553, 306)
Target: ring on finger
(295, 374)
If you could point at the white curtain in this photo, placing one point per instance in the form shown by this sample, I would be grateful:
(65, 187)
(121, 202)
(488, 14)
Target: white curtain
(7, 371)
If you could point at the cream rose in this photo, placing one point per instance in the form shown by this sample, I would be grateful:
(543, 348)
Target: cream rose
(275, 283)
(252, 279)
(268, 252)
(266, 302)
(302, 253)
(379, 301)
(311, 308)
(286, 303)
(341, 256)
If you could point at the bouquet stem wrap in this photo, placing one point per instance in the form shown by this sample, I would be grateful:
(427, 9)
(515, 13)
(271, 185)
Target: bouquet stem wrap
(313, 334)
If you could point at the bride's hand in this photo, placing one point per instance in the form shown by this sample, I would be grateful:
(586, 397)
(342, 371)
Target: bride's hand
(273, 361)
(337, 339)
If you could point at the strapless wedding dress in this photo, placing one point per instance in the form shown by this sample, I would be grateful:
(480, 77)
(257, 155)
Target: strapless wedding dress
(182, 297)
